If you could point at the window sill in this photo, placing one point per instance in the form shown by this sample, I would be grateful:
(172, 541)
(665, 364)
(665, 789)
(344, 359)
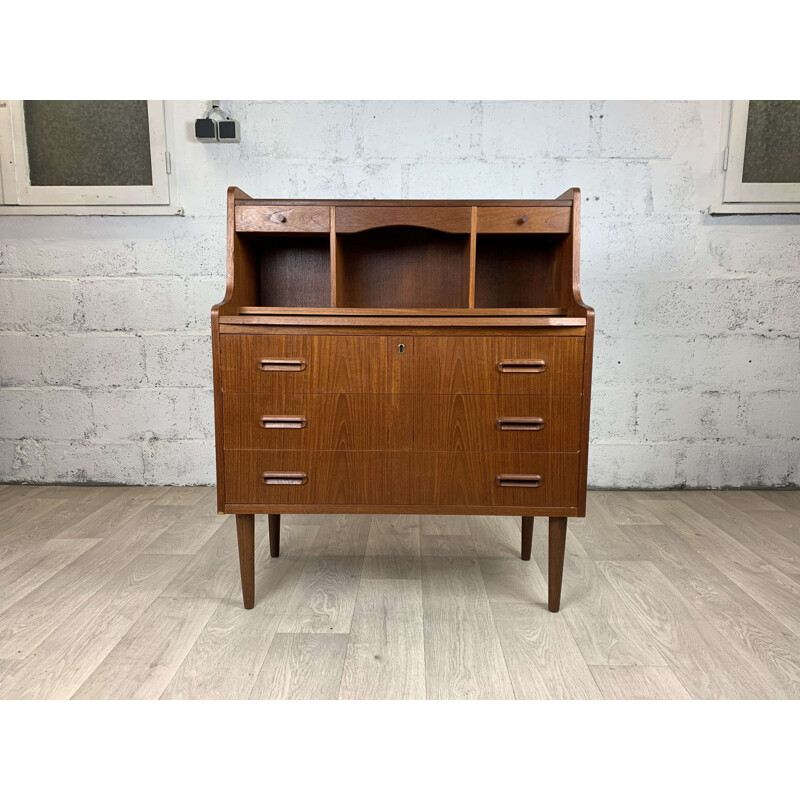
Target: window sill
(754, 208)
(97, 211)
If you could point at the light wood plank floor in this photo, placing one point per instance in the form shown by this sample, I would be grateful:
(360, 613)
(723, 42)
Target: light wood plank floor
(133, 592)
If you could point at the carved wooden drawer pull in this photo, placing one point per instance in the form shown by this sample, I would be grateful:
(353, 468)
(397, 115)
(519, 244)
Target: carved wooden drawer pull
(520, 423)
(519, 481)
(283, 422)
(521, 365)
(282, 364)
(284, 478)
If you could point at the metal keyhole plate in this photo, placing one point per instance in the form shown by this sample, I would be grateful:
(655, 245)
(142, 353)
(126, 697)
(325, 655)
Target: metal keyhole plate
(401, 348)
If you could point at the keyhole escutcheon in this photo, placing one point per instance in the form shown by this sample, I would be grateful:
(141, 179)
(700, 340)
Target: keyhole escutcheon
(401, 348)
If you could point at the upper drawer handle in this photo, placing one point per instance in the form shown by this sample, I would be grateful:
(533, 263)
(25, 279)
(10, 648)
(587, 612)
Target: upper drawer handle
(282, 364)
(520, 423)
(519, 481)
(521, 365)
(283, 422)
(278, 218)
(284, 478)
(523, 220)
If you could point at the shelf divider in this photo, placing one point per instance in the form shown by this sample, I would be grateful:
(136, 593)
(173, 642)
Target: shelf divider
(473, 239)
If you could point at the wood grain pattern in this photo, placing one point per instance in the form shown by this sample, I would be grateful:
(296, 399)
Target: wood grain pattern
(282, 219)
(227, 657)
(282, 259)
(392, 548)
(639, 683)
(352, 219)
(691, 646)
(302, 666)
(470, 479)
(564, 200)
(69, 655)
(606, 631)
(150, 653)
(717, 639)
(543, 660)
(190, 531)
(779, 594)
(27, 622)
(333, 421)
(404, 268)
(30, 571)
(241, 289)
(350, 478)
(385, 655)
(468, 365)
(523, 219)
(279, 320)
(463, 656)
(402, 422)
(325, 594)
(334, 364)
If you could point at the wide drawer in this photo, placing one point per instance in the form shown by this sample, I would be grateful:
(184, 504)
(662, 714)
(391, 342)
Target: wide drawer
(403, 364)
(496, 479)
(488, 364)
(507, 423)
(303, 364)
(332, 477)
(318, 421)
(283, 219)
(538, 219)
(504, 423)
(348, 477)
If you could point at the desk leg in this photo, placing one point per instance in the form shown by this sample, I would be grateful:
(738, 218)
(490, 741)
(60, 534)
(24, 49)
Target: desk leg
(555, 560)
(527, 537)
(246, 533)
(274, 535)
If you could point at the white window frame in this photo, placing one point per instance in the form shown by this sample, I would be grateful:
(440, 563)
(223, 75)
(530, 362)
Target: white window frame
(734, 197)
(19, 197)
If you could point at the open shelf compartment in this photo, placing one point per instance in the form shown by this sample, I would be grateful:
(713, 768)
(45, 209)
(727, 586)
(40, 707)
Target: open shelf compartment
(519, 270)
(402, 267)
(293, 270)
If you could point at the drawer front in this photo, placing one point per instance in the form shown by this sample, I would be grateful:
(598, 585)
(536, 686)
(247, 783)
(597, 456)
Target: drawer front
(352, 477)
(352, 219)
(496, 479)
(538, 219)
(488, 364)
(343, 477)
(318, 421)
(511, 423)
(283, 219)
(303, 364)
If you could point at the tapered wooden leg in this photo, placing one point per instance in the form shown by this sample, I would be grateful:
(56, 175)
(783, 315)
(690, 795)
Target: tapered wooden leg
(246, 533)
(555, 560)
(527, 537)
(274, 535)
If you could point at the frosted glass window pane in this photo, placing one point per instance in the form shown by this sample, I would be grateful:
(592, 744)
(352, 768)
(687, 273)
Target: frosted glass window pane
(772, 146)
(88, 142)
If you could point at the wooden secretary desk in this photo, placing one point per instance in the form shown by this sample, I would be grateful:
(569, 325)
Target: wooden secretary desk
(415, 357)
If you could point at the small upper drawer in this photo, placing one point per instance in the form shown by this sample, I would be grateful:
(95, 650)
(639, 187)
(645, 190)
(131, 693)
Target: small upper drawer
(290, 219)
(538, 219)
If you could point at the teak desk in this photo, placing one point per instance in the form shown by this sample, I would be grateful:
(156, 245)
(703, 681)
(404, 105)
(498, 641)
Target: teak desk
(415, 356)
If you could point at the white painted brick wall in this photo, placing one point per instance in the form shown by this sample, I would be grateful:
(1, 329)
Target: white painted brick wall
(105, 362)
